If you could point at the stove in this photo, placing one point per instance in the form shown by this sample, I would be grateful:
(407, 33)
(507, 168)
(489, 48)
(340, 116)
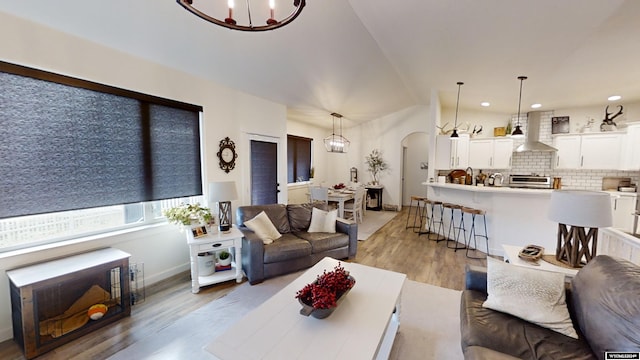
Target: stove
(530, 182)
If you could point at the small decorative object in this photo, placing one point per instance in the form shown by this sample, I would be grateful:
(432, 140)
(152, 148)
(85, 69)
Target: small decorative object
(321, 297)
(199, 231)
(97, 311)
(186, 214)
(376, 164)
(560, 125)
(224, 258)
(227, 155)
(531, 253)
(588, 127)
(339, 186)
(499, 131)
(607, 122)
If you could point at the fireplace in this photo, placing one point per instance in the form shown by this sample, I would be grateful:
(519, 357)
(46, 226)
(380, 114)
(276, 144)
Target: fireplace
(50, 301)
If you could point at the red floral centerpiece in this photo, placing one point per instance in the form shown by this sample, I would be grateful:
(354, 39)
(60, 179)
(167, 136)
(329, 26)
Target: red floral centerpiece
(322, 296)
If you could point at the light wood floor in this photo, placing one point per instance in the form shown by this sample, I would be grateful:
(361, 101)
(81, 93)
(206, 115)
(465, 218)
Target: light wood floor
(392, 247)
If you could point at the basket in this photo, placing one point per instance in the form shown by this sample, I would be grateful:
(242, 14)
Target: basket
(499, 131)
(531, 253)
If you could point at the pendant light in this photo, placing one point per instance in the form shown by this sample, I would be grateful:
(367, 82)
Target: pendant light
(517, 132)
(336, 142)
(454, 134)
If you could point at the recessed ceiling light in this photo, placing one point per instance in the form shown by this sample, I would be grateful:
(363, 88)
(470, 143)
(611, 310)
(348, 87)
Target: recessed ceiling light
(614, 98)
(535, 106)
(485, 103)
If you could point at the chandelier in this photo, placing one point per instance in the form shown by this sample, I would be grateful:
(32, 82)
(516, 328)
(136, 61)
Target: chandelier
(242, 19)
(336, 143)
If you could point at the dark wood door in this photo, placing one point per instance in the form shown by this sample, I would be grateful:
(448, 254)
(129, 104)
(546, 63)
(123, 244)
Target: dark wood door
(264, 172)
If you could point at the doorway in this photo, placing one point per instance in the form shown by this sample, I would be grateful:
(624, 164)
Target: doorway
(264, 172)
(415, 157)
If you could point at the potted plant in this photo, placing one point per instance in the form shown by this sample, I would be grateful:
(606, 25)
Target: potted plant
(224, 258)
(376, 164)
(188, 214)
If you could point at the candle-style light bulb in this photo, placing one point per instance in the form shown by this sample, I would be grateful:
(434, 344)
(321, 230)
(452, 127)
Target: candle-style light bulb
(230, 20)
(272, 6)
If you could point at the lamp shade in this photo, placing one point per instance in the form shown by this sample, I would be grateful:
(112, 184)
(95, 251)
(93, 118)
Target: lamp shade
(581, 208)
(222, 191)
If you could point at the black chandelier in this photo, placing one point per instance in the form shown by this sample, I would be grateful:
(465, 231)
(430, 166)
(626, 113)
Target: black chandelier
(204, 8)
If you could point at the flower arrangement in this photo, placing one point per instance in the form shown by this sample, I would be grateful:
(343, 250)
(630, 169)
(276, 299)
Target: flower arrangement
(184, 214)
(327, 289)
(376, 164)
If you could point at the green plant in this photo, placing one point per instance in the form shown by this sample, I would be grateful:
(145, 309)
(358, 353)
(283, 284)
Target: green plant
(376, 164)
(223, 255)
(184, 214)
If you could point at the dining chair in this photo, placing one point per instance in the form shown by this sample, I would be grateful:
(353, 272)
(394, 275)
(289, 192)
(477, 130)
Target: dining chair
(319, 194)
(355, 206)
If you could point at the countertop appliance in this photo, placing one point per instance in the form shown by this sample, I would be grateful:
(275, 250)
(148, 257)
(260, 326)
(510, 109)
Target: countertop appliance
(530, 182)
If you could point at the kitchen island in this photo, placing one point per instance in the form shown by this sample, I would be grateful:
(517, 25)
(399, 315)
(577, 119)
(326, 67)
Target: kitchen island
(514, 216)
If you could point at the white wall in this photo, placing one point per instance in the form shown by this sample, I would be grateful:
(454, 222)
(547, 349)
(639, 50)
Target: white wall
(227, 112)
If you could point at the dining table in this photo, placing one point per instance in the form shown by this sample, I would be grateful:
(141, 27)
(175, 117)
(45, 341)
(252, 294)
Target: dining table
(340, 196)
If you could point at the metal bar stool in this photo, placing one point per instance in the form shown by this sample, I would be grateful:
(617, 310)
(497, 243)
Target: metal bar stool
(455, 228)
(418, 213)
(472, 232)
(436, 208)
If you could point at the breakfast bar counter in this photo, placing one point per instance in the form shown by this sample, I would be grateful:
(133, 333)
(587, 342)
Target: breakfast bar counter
(514, 216)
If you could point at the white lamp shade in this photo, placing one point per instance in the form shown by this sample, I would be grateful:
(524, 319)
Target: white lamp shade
(581, 208)
(222, 191)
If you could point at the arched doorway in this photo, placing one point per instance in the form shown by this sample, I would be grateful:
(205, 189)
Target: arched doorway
(415, 157)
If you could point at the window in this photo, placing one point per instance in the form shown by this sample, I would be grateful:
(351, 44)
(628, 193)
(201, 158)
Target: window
(298, 158)
(82, 157)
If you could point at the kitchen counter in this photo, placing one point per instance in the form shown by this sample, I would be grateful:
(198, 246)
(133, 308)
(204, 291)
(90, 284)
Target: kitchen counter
(496, 189)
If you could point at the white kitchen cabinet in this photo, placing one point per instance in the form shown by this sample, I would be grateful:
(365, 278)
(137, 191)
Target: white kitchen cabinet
(630, 154)
(588, 151)
(490, 153)
(623, 205)
(452, 153)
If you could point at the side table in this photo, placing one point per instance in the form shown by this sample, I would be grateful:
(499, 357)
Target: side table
(374, 197)
(511, 256)
(231, 241)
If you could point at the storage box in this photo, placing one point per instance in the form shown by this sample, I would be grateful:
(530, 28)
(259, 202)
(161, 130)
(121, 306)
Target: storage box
(499, 131)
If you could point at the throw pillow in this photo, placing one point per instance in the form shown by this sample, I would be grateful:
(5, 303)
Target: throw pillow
(323, 221)
(534, 295)
(263, 227)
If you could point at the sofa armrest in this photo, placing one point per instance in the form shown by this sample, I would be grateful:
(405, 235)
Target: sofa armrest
(350, 228)
(475, 278)
(252, 256)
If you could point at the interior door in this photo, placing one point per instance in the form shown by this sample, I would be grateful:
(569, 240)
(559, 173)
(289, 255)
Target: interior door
(264, 172)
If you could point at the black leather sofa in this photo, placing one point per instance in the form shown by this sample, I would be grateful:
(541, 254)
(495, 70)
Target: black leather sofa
(297, 249)
(603, 300)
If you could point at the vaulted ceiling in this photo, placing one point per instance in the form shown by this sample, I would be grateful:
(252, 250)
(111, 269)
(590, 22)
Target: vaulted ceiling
(369, 58)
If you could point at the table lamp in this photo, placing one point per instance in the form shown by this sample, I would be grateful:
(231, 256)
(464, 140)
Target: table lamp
(579, 209)
(222, 193)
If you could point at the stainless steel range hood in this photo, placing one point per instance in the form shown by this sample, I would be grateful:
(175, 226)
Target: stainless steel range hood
(532, 142)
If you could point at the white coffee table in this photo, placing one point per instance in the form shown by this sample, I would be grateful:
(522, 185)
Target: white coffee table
(362, 327)
(511, 256)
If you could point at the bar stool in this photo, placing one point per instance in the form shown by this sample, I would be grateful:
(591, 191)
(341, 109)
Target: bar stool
(436, 208)
(455, 228)
(472, 232)
(418, 213)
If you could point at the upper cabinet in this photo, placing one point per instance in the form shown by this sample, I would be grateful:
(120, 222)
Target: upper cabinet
(490, 153)
(452, 153)
(630, 156)
(588, 151)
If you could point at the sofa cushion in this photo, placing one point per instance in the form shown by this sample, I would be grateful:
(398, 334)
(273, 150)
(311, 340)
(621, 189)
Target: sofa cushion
(606, 300)
(504, 333)
(277, 213)
(299, 216)
(533, 295)
(322, 241)
(323, 221)
(287, 247)
(263, 227)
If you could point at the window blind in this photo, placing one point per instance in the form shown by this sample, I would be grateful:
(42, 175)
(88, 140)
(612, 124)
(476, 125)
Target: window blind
(66, 147)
